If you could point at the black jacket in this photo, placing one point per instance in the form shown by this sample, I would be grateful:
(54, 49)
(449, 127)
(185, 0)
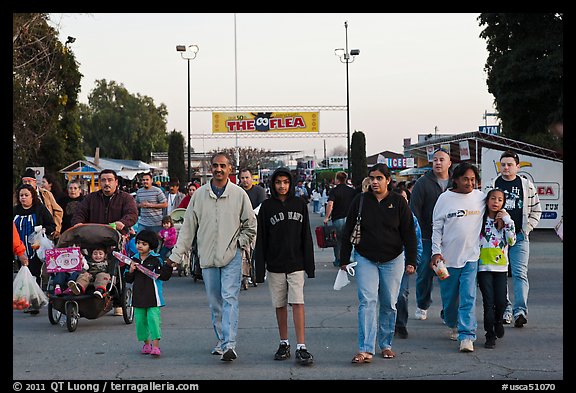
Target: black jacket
(284, 240)
(387, 229)
(147, 292)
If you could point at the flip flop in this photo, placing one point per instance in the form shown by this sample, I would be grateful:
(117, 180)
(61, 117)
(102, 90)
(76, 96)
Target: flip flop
(362, 357)
(388, 354)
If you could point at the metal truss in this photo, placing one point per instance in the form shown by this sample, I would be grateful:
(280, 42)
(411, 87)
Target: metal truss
(262, 135)
(266, 108)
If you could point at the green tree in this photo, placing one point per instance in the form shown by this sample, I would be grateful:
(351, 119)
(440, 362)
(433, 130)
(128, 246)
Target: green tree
(46, 82)
(358, 158)
(525, 71)
(250, 157)
(176, 167)
(123, 125)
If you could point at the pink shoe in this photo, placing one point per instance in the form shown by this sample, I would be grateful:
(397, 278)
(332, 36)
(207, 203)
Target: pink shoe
(57, 290)
(67, 291)
(155, 351)
(146, 349)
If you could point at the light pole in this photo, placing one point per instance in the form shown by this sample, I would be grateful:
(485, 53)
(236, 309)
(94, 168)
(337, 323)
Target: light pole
(347, 57)
(188, 53)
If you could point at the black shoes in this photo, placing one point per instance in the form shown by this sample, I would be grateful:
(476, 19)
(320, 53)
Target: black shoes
(283, 352)
(229, 355)
(401, 332)
(304, 357)
(490, 342)
(520, 321)
(499, 329)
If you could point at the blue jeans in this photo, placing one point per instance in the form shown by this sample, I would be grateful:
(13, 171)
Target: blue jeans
(377, 283)
(62, 278)
(339, 225)
(402, 302)
(518, 256)
(459, 300)
(223, 288)
(425, 277)
(316, 206)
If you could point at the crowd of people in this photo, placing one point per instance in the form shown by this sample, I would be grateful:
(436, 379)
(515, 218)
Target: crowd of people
(391, 232)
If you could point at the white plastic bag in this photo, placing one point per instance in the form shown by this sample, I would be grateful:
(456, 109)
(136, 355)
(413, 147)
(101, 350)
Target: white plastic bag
(26, 291)
(341, 280)
(40, 242)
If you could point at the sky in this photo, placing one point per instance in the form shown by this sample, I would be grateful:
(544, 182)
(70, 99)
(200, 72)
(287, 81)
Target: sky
(417, 73)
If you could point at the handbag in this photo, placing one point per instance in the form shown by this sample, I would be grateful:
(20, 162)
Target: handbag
(356, 232)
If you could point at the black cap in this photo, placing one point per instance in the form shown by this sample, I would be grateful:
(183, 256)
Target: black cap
(29, 173)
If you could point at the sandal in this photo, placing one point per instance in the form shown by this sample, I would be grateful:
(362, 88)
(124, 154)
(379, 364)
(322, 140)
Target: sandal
(362, 357)
(388, 354)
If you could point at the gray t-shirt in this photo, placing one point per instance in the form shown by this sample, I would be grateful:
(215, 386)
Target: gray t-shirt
(150, 216)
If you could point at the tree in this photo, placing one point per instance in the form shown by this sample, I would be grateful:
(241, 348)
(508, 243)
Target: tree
(176, 167)
(250, 157)
(525, 71)
(46, 82)
(358, 158)
(124, 126)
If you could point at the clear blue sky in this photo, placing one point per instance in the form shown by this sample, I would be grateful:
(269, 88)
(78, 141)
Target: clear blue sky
(415, 71)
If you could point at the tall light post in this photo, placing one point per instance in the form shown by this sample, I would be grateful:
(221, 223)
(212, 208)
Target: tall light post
(347, 57)
(188, 53)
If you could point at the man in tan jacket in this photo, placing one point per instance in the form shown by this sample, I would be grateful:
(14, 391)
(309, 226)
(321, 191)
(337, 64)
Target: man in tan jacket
(47, 199)
(221, 218)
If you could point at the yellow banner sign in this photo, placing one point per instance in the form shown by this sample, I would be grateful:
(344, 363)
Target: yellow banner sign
(265, 122)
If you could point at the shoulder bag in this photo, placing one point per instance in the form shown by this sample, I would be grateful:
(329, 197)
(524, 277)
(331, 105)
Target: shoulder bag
(356, 233)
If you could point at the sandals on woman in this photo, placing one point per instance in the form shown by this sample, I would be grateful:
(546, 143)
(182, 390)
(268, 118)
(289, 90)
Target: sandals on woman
(362, 357)
(388, 354)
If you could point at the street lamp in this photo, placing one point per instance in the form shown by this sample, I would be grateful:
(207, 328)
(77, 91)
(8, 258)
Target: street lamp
(188, 53)
(347, 57)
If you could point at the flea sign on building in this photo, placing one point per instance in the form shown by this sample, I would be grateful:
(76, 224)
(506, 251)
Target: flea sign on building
(223, 122)
(546, 175)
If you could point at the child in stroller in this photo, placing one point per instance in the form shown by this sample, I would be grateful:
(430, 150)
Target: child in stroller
(97, 272)
(60, 279)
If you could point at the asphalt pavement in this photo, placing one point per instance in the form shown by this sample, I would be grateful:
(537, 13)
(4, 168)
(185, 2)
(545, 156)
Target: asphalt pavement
(106, 349)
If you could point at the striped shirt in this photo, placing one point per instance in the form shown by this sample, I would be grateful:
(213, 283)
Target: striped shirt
(150, 216)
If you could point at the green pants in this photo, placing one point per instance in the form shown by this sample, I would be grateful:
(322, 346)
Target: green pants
(148, 323)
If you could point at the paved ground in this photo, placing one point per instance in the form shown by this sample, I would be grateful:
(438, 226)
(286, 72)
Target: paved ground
(106, 349)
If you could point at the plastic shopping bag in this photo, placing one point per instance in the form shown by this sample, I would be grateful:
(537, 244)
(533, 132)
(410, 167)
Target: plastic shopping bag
(40, 242)
(341, 280)
(26, 292)
(342, 276)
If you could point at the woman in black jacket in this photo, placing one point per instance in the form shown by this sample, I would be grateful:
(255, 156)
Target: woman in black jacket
(387, 234)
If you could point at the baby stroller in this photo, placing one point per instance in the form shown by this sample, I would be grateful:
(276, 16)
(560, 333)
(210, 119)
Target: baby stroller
(86, 237)
(190, 261)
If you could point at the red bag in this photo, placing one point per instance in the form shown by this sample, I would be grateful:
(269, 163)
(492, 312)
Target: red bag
(326, 236)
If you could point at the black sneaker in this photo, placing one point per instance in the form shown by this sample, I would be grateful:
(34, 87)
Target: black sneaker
(520, 321)
(229, 355)
(401, 332)
(283, 352)
(304, 357)
(490, 342)
(499, 329)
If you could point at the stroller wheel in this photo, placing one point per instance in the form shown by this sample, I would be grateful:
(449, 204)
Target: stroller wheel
(127, 308)
(71, 316)
(53, 314)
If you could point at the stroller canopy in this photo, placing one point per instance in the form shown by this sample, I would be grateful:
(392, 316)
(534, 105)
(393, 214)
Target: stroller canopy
(91, 236)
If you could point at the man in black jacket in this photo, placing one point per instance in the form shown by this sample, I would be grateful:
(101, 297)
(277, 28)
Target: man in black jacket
(422, 201)
(337, 207)
(284, 248)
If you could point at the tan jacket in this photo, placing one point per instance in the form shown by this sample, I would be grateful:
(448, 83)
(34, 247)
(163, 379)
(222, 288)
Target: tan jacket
(53, 207)
(220, 224)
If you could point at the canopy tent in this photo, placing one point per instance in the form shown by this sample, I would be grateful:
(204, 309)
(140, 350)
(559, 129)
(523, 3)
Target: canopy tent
(88, 169)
